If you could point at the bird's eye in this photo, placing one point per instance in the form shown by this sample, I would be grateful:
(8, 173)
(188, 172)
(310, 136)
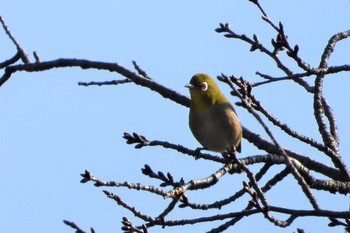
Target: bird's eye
(204, 86)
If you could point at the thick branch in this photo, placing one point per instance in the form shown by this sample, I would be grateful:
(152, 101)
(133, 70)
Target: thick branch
(86, 64)
(321, 106)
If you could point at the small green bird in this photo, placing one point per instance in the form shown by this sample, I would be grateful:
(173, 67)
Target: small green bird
(212, 119)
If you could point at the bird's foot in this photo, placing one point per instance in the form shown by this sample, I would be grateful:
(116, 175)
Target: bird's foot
(197, 152)
(230, 153)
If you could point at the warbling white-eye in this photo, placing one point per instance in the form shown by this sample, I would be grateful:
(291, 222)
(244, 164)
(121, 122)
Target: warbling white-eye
(212, 119)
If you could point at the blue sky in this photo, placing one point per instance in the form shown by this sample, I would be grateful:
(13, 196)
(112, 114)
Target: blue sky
(52, 129)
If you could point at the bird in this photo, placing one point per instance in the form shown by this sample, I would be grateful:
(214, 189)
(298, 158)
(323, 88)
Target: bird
(212, 118)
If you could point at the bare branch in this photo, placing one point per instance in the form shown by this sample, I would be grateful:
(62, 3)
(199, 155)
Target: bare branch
(252, 181)
(199, 184)
(258, 106)
(140, 71)
(135, 139)
(136, 212)
(282, 152)
(87, 176)
(36, 56)
(320, 103)
(86, 64)
(10, 61)
(20, 50)
(170, 208)
(75, 227)
(328, 70)
(113, 82)
(129, 227)
(330, 47)
(225, 28)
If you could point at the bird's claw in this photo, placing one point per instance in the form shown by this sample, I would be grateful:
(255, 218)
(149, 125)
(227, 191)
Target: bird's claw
(197, 152)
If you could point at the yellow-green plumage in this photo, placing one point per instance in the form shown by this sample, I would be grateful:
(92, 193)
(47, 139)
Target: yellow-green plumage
(212, 119)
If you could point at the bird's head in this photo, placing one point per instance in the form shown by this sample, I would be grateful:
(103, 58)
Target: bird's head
(205, 92)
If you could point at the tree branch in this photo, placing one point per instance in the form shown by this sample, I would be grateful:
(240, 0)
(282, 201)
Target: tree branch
(20, 50)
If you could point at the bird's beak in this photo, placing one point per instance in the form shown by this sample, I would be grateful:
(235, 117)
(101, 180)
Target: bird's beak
(190, 86)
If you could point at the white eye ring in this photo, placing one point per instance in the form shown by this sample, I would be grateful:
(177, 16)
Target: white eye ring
(204, 86)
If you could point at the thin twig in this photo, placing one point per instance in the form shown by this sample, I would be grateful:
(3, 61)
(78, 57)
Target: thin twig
(328, 70)
(170, 208)
(87, 177)
(141, 141)
(113, 82)
(10, 61)
(252, 181)
(136, 212)
(140, 71)
(75, 227)
(21, 51)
